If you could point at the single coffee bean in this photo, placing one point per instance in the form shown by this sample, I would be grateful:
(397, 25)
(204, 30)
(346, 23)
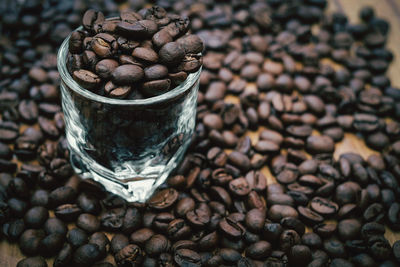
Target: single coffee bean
(127, 74)
(64, 257)
(131, 254)
(186, 257)
(86, 79)
(32, 262)
(324, 206)
(86, 255)
(51, 244)
(36, 217)
(67, 212)
(55, 225)
(29, 241)
(88, 222)
(171, 54)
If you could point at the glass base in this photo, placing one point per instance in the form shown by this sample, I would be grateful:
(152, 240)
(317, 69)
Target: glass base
(137, 190)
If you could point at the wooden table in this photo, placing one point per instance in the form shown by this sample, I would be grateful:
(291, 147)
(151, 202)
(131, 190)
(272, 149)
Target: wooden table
(388, 9)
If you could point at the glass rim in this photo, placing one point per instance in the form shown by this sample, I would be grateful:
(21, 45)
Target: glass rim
(73, 85)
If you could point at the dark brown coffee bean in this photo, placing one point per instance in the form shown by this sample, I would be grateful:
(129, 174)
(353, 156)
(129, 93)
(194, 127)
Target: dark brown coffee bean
(32, 262)
(334, 248)
(141, 236)
(64, 257)
(9, 131)
(171, 54)
(186, 257)
(127, 74)
(101, 240)
(349, 229)
(309, 216)
(86, 79)
(239, 187)
(300, 255)
(191, 43)
(324, 206)
(86, 255)
(163, 199)
(35, 217)
(91, 18)
(146, 55)
(277, 212)
(88, 222)
(105, 67)
(156, 87)
(288, 239)
(104, 45)
(259, 250)
(29, 241)
(320, 144)
(155, 72)
(67, 212)
(51, 244)
(137, 30)
(156, 245)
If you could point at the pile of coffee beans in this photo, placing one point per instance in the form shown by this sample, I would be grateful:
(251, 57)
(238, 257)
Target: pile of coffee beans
(217, 209)
(136, 55)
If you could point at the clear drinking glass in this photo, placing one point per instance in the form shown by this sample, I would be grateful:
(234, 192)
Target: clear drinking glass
(129, 146)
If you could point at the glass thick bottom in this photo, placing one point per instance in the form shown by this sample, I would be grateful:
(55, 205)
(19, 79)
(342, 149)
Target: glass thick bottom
(133, 189)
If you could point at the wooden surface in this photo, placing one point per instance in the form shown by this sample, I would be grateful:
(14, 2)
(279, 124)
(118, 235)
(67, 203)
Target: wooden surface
(388, 9)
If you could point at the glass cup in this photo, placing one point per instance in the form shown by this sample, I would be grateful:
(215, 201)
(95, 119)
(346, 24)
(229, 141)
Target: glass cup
(129, 146)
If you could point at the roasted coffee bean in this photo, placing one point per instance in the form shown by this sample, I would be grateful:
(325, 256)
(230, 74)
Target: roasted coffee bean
(186, 257)
(86, 255)
(86, 79)
(171, 54)
(62, 195)
(324, 206)
(32, 262)
(54, 225)
(118, 242)
(288, 239)
(131, 254)
(51, 244)
(88, 222)
(17, 207)
(36, 217)
(67, 212)
(101, 240)
(29, 241)
(64, 257)
(127, 74)
(112, 219)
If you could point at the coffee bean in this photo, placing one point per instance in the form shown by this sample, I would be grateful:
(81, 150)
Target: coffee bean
(62, 195)
(51, 244)
(88, 222)
(163, 199)
(137, 30)
(32, 262)
(324, 206)
(186, 257)
(86, 79)
(127, 74)
(86, 255)
(171, 54)
(104, 68)
(36, 216)
(29, 241)
(67, 212)
(131, 254)
(64, 256)
(54, 225)
(118, 242)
